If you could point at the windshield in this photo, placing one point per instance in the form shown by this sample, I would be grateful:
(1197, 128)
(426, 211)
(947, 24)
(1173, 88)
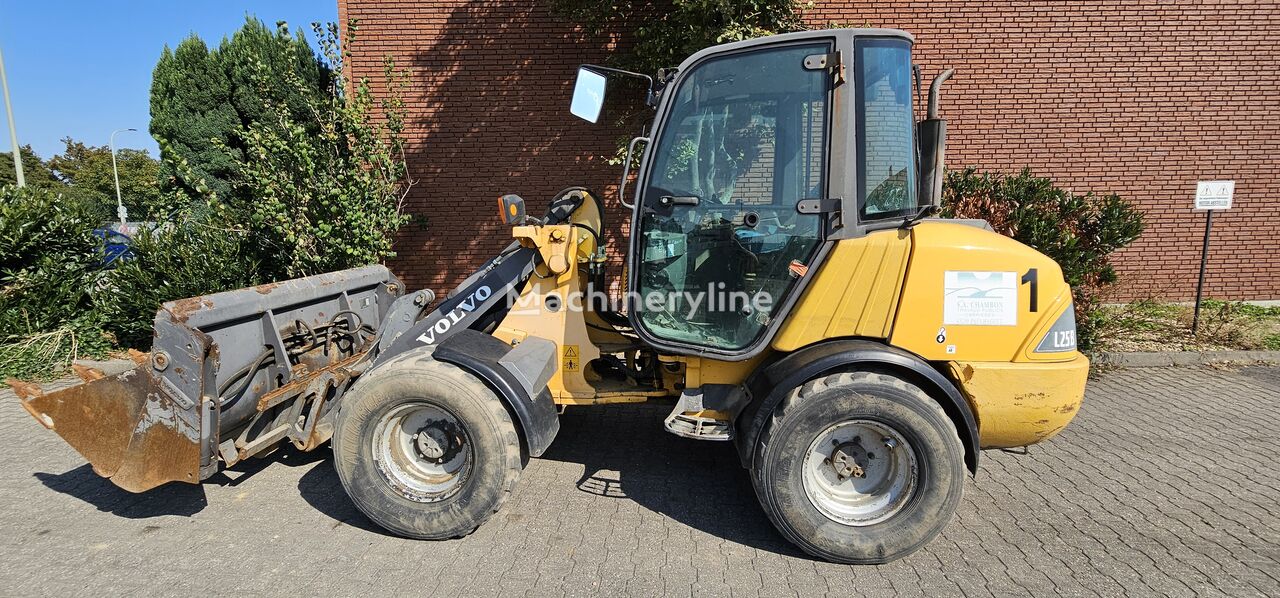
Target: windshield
(747, 129)
(886, 130)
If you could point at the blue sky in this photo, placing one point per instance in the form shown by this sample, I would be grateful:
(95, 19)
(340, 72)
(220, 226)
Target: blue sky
(83, 69)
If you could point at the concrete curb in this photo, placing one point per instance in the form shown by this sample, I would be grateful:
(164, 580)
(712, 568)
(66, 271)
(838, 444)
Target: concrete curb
(1157, 359)
(109, 367)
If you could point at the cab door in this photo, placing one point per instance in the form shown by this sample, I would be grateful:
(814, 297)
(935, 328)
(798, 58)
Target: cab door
(718, 245)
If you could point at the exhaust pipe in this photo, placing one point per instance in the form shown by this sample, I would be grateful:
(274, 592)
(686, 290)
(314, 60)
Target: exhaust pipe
(932, 134)
(935, 90)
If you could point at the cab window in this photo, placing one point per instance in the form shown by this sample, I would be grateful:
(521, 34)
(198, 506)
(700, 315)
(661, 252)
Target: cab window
(722, 243)
(886, 129)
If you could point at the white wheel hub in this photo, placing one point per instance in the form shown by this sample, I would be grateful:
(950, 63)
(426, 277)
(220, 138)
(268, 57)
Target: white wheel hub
(859, 472)
(422, 451)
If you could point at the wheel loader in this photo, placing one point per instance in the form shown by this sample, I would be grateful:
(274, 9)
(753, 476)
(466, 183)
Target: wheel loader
(785, 290)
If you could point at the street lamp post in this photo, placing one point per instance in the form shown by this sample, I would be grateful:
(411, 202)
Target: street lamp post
(120, 211)
(13, 132)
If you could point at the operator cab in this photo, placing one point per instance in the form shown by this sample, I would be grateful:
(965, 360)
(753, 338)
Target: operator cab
(744, 179)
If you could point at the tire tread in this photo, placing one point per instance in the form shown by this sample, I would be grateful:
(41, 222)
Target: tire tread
(800, 396)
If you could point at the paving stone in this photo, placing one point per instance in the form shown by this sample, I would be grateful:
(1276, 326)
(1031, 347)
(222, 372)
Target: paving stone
(1164, 485)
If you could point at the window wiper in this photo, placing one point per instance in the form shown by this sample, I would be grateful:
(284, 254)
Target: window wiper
(918, 216)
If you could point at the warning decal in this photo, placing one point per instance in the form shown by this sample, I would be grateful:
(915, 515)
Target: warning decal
(570, 361)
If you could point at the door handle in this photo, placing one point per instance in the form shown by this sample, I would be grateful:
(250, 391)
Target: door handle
(679, 200)
(626, 171)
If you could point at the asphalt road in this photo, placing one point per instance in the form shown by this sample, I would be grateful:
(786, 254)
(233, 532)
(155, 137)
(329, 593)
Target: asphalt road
(1166, 484)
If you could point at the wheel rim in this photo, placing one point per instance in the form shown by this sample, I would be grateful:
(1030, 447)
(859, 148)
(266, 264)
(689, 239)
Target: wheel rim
(422, 451)
(860, 472)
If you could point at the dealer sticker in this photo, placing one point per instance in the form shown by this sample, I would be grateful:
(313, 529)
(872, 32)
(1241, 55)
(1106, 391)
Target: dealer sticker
(980, 298)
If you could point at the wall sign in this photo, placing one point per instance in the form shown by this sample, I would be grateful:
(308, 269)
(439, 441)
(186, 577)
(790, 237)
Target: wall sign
(1214, 195)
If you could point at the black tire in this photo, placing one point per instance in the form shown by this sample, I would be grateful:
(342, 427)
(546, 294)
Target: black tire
(797, 423)
(492, 442)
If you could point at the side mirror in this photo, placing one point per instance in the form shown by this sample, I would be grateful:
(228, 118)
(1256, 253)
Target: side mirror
(588, 95)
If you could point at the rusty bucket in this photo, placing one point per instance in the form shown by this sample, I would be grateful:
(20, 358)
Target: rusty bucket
(229, 376)
(124, 425)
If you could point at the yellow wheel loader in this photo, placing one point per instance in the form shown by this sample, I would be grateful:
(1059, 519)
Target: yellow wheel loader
(785, 290)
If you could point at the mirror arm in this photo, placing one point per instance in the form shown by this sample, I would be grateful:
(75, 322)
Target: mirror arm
(648, 98)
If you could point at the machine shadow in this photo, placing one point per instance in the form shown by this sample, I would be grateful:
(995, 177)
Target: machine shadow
(625, 453)
(183, 500)
(322, 489)
(175, 498)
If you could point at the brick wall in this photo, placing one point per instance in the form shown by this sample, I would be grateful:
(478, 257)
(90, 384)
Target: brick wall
(1138, 97)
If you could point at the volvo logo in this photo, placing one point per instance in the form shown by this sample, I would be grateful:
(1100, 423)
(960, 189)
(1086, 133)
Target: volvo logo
(443, 325)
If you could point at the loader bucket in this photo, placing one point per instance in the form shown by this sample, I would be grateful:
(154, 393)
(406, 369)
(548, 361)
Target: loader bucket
(124, 425)
(229, 376)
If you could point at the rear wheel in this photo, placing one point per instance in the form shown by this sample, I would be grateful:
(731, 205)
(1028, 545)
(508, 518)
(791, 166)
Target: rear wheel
(859, 468)
(425, 449)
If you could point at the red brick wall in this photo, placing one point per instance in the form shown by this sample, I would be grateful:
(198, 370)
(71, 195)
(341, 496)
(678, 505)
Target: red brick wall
(1141, 98)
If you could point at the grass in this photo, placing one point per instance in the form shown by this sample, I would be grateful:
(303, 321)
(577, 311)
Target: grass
(1149, 325)
(48, 355)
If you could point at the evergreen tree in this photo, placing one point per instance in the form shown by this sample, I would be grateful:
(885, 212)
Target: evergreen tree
(201, 100)
(255, 50)
(192, 119)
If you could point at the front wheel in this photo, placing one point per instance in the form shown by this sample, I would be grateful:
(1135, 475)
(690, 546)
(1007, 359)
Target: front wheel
(859, 468)
(425, 449)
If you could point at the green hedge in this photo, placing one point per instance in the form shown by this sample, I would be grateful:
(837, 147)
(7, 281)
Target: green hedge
(49, 272)
(194, 255)
(1080, 232)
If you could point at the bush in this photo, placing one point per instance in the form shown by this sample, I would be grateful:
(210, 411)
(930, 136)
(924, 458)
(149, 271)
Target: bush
(1080, 232)
(329, 179)
(49, 262)
(198, 253)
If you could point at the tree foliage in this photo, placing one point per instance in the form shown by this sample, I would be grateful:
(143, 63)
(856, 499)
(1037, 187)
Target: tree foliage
(328, 174)
(296, 76)
(87, 173)
(201, 99)
(664, 33)
(34, 171)
(190, 108)
(661, 34)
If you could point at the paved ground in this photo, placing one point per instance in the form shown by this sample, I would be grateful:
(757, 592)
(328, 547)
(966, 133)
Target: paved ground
(1166, 484)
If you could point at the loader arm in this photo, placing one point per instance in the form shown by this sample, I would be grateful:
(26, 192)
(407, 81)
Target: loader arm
(232, 375)
(472, 303)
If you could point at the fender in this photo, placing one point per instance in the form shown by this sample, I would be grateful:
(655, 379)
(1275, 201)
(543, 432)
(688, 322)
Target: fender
(770, 384)
(518, 376)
